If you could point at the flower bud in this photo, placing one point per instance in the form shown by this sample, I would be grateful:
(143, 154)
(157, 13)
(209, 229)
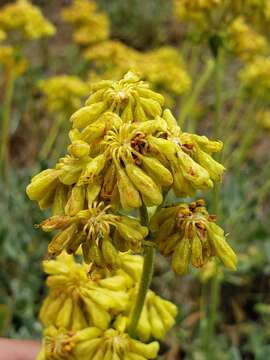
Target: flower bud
(42, 183)
(61, 240)
(79, 149)
(157, 171)
(76, 201)
(144, 184)
(129, 196)
(87, 114)
(60, 200)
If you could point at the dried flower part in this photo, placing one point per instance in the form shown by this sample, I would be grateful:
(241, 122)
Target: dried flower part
(63, 93)
(91, 26)
(189, 234)
(100, 233)
(93, 343)
(157, 317)
(22, 15)
(246, 42)
(76, 301)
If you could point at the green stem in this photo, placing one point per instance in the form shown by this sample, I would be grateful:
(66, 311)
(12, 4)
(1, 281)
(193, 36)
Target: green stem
(192, 99)
(217, 119)
(147, 274)
(215, 283)
(50, 140)
(146, 278)
(213, 313)
(6, 120)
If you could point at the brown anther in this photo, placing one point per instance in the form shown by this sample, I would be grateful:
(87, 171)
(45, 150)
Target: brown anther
(193, 205)
(200, 202)
(200, 225)
(212, 218)
(188, 147)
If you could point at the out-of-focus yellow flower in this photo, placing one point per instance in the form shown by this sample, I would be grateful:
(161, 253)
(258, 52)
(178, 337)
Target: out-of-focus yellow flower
(63, 93)
(209, 270)
(91, 26)
(189, 234)
(255, 77)
(263, 118)
(246, 42)
(196, 10)
(11, 61)
(3, 35)
(93, 343)
(113, 58)
(163, 67)
(24, 16)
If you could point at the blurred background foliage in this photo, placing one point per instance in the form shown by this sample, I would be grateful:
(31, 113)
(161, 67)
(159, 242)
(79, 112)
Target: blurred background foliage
(222, 315)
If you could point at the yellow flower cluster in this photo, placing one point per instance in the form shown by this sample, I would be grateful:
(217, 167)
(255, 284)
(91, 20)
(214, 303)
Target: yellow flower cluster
(195, 10)
(163, 67)
(123, 150)
(93, 343)
(78, 306)
(27, 18)
(63, 93)
(126, 152)
(158, 316)
(245, 42)
(255, 77)
(91, 26)
(76, 301)
(11, 62)
(189, 234)
(263, 118)
(101, 233)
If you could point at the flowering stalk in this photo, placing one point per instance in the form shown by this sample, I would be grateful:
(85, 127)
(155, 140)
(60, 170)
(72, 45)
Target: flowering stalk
(215, 281)
(126, 153)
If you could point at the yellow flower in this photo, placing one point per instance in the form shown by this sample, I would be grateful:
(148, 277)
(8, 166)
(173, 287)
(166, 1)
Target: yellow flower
(76, 301)
(255, 77)
(93, 229)
(93, 343)
(10, 60)
(189, 234)
(91, 26)
(130, 98)
(195, 10)
(22, 15)
(3, 35)
(163, 67)
(63, 93)
(126, 159)
(246, 42)
(157, 317)
(263, 118)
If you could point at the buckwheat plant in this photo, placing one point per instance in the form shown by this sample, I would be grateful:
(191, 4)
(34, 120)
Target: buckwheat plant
(126, 153)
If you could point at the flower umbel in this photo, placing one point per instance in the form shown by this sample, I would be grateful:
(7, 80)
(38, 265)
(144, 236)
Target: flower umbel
(190, 234)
